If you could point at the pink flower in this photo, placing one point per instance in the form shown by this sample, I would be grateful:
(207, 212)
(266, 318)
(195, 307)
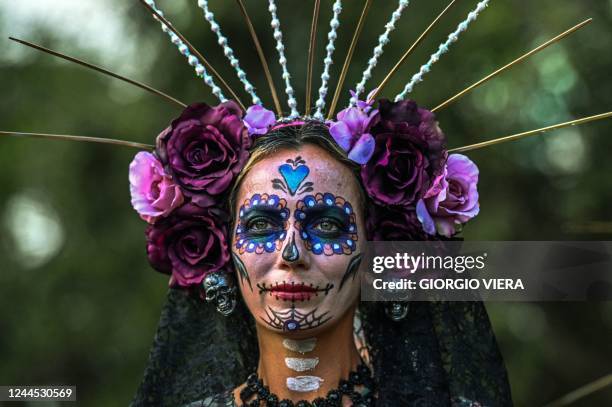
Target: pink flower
(452, 200)
(258, 120)
(154, 195)
(352, 132)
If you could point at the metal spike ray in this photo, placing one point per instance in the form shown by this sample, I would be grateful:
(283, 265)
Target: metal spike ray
(99, 69)
(167, 25)
(442, 49)
(349, 56)
(530, 133)
(228, 51)
(282, 59)
(311, 52)
(327, 61)
(65, 137)
(383, 40)
(511, 64)
(399, 63)
(262, 57)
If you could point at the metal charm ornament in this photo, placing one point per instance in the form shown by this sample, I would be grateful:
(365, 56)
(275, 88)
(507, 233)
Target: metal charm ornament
(221, 291)
(397, 311)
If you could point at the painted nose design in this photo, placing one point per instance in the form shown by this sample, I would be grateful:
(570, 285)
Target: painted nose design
(291, 252)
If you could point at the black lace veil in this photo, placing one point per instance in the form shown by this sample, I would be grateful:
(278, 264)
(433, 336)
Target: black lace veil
(441, 354)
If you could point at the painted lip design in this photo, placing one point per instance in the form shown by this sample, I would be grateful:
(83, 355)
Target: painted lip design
(293, 290)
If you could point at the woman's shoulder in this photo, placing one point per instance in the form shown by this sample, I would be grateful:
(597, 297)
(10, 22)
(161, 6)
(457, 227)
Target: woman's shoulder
(225, 399)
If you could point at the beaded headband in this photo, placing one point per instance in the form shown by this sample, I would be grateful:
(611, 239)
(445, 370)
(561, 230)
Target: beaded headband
(419, 190)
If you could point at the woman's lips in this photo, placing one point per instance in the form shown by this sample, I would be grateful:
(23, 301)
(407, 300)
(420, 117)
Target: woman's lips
(293, 291)
(293, 287)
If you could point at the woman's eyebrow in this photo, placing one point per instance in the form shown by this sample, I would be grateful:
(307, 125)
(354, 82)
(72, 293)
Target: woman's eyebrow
(320, 210)
(261, 211)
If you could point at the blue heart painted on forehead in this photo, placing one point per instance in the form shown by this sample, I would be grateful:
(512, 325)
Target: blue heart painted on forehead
(293, 176)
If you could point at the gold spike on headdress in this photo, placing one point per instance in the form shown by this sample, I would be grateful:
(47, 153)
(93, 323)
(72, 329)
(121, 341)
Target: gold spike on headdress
(262, 57)
(347, 61)
(311, 53)
(100, 69)
(530, 133)
(511, 64)
(194, 51)
(80, 138)
(399, 63)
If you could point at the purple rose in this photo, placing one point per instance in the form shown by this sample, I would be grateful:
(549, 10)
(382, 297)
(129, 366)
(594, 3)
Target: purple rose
(154, 195)
(204, 149)
(453, 201)
(188, 248)
(258, 119)
(387, 224)
(408, 156)
(351, 132)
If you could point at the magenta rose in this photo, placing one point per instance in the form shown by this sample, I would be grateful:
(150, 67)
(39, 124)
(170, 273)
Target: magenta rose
(409, 154)
(453, 200)
(188, 248)
(154, 194)
(388, 224)
(204, 149)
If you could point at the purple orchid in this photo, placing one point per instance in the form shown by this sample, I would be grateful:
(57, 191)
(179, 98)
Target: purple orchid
(258, 120)
(351, 131)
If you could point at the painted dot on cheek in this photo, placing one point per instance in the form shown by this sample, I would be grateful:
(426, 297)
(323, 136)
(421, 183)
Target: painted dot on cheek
(349, 242)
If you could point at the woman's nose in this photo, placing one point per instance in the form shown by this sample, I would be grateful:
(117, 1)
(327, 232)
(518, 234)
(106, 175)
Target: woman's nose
(294, 254)
(291, 253)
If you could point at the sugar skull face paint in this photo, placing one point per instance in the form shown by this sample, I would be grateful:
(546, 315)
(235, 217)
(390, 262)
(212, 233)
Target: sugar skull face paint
(290, 284)
(262, 224)
(294, 173)
(327, 224)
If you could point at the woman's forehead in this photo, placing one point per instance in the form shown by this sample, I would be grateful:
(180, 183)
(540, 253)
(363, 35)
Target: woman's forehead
(292, 173)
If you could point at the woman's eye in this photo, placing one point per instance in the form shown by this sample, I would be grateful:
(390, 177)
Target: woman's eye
(326, 226)
(259, 225)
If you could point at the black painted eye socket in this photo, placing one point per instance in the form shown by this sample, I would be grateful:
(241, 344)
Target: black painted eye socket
(261, 224)
(327, 227)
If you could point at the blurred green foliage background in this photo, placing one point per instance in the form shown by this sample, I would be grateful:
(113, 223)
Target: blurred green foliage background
(79, 303)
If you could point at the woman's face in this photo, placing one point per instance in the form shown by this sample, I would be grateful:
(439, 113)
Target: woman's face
(297, 240)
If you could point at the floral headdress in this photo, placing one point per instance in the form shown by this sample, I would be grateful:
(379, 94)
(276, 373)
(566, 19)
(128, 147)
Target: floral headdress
(420, 190)
(181, 188)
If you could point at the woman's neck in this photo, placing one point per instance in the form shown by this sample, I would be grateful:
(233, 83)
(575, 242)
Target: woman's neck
(309, 367)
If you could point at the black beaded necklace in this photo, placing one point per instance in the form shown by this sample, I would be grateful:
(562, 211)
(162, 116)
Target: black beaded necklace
(362, 376)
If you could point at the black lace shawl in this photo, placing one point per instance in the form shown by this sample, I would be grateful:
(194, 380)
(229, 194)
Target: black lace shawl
(441, 354)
